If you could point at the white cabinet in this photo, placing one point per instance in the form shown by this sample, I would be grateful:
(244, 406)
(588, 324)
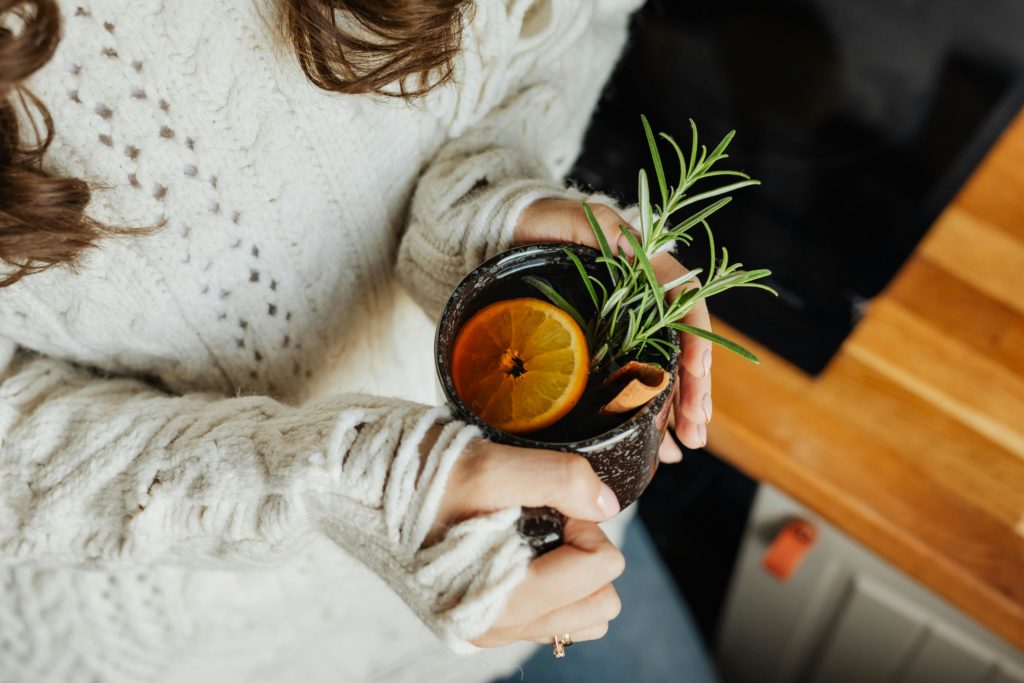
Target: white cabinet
(845, 616)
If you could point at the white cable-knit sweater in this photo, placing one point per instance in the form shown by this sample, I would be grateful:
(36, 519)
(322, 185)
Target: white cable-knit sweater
(200, 476)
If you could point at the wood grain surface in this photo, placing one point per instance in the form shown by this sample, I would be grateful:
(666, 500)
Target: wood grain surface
(912, 440)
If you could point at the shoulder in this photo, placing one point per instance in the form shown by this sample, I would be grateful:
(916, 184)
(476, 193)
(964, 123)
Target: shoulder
(526, 30)
(508, 45)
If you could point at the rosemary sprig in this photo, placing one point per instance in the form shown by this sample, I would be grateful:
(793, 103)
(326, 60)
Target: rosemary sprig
(630, 316)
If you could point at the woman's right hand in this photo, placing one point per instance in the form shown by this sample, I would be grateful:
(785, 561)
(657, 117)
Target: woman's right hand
(567, 590)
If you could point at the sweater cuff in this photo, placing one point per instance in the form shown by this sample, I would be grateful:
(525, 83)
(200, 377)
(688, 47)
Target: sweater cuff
(516, 199)
(432, 263)
(470, 575)
(458, 586)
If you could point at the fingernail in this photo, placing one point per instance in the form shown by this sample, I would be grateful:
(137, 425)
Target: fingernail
(706, 404)
(702, 435)
(707, 364)
(624, 246)
(607, 502)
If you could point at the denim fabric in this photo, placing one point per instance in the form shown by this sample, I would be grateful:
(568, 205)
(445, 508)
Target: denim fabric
(654, 640)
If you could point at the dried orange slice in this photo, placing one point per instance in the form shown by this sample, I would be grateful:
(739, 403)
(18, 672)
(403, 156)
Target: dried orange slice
(520, 365)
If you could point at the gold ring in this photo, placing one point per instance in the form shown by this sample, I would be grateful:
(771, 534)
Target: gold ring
(561, 642)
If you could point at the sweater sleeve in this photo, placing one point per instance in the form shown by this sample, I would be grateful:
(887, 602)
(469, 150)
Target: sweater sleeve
(100, 471)
(527, 86)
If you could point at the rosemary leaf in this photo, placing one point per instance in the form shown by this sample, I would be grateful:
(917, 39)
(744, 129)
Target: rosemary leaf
(615, 263)
(758, 285)
(711, 248)
(612, 301)
(646, 213)
(679, 153)
(585, 276)
(557, 299)
(659, 170)
(693, 148)
(719, 152)
(640, 256)
(672, 284)
(716, 339)
(714, 174)
(715, 192)
(600, 285)
(606, 251)
(701, 215)
(631, 329)
(663, 346)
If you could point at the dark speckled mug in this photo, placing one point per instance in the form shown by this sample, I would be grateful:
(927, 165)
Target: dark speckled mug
(624, 456)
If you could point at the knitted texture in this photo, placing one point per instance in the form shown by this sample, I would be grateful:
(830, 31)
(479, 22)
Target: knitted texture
(212, 459)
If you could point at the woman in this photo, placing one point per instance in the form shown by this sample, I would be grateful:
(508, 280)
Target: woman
(200, 477)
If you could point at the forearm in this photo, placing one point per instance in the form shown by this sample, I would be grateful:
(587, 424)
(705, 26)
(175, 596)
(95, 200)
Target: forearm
(112, 472)
(99, 470)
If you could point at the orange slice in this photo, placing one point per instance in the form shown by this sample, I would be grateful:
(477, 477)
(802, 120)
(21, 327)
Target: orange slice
(520, 365)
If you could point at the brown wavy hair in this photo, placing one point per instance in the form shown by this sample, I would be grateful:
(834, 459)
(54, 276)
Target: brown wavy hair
(379, 44)
(400, 48)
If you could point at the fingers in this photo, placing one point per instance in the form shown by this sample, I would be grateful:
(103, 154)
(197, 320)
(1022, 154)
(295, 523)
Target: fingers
(691, 427)
(693, 400)
(575, 570)
(566, 590)
(669, 452)
(564, 220)
(697, 351)
(595, 610)
(494, 476)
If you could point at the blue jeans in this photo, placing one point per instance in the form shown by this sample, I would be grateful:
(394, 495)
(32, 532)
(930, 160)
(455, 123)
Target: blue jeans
(653, 640)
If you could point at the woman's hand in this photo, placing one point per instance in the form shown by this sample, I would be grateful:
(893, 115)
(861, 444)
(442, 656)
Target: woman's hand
(563, 220)
(567, 590)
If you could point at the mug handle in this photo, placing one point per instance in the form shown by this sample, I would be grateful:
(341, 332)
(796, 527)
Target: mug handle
(541, 528)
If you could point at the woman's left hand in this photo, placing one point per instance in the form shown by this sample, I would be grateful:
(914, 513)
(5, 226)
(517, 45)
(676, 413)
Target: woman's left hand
(563, 220)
